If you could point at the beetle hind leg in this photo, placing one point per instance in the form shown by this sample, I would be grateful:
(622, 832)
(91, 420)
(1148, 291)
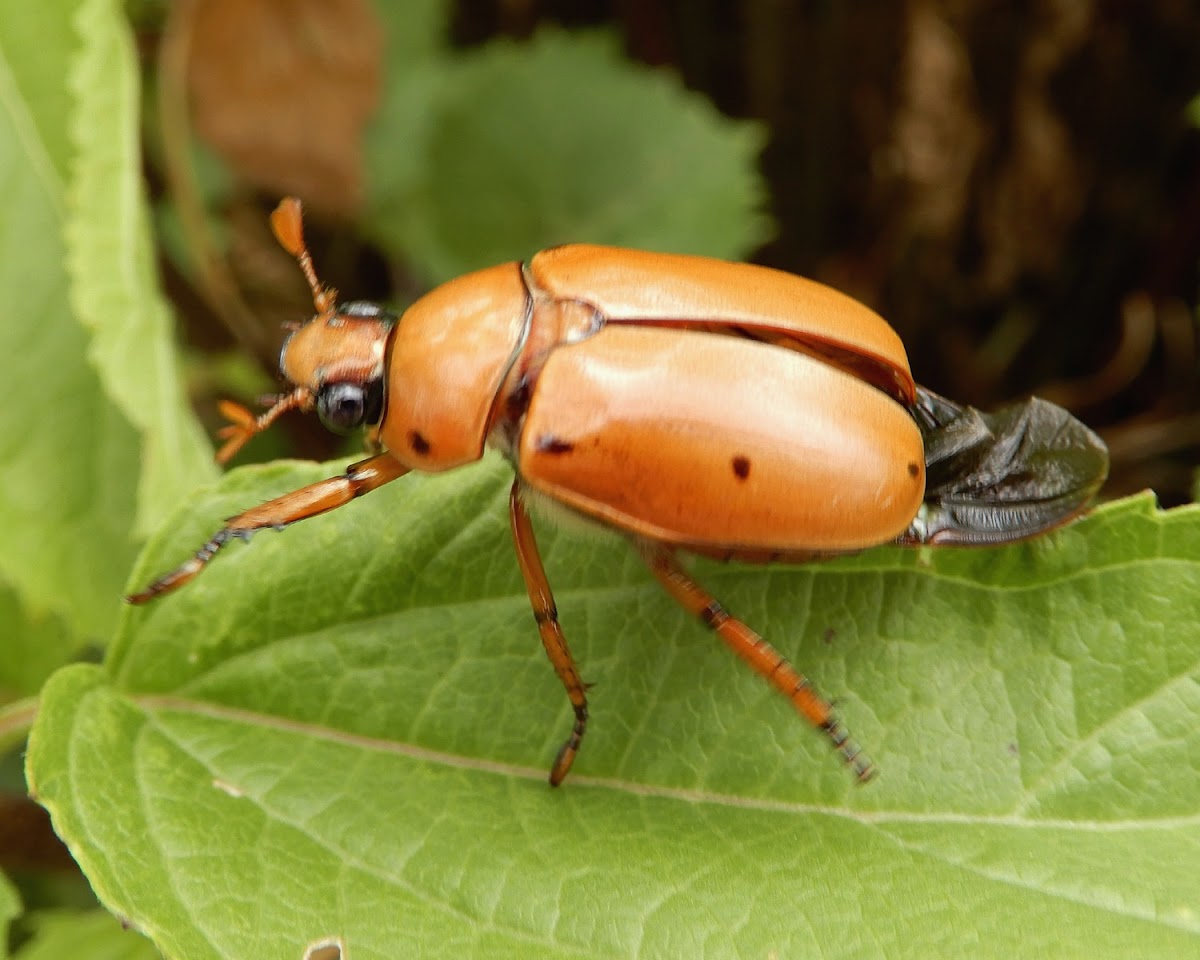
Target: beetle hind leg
(553, 639)
(757, 652)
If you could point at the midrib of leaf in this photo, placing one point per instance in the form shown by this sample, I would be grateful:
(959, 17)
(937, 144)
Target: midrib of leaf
(152, 704)
(876, 821)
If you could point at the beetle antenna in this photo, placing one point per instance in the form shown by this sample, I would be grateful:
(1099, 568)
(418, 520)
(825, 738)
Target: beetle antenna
(243, 424)
(287, 223)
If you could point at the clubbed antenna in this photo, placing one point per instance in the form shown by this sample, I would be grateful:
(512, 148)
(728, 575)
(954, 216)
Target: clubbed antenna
(287, 222)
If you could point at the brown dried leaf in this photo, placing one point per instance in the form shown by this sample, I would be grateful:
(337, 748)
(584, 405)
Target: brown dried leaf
(282, 89)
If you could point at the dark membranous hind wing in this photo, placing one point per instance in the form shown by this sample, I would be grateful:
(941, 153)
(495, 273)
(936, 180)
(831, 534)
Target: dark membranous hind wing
(998, 477)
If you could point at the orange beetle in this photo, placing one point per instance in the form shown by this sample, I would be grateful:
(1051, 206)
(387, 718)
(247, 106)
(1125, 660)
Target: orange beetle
(690, 404)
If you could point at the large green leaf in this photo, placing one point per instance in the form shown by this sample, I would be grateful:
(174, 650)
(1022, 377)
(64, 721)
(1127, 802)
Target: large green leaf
(114, 285)
(95, 431)
(516, 147)
(69, 458)
(341, 732)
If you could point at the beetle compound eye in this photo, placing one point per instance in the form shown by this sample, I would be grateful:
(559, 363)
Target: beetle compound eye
(342, 406)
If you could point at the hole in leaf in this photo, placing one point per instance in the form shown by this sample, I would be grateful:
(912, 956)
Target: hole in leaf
(328, 949)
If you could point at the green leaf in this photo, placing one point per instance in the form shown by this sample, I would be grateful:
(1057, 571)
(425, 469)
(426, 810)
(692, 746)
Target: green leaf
(114, 285)
(342, 732)
(521, 146)
(413, 74)
(34, 646)
(83, 935)
(69, 458)
(10, 907)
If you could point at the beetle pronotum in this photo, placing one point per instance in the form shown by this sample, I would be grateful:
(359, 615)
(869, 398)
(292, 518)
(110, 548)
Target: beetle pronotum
(691, 404)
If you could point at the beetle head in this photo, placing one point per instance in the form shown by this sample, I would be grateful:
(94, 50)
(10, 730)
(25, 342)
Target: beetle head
(335, 361)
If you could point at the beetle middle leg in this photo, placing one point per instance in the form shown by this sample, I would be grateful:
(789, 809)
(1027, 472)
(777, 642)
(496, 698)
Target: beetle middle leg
(757, 652)
(316, 498)
(553, 639)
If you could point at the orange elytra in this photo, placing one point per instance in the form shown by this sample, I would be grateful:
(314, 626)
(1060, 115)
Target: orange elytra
(689, 404)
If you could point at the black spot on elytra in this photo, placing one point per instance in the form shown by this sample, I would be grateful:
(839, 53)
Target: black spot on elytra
(914, 470)
(548, 443)
(741, 467)
(419, 444)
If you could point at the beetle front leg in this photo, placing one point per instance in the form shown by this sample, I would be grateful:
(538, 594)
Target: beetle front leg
(316, 498)
(546, 615)
(757, 652)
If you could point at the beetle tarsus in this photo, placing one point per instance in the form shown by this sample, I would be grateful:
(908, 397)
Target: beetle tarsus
(864, 769)
(188, 571)
(567, 752)
(849, 749)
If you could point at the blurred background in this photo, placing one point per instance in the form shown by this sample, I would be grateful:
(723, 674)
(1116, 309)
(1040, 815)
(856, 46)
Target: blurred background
(1015, 186)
